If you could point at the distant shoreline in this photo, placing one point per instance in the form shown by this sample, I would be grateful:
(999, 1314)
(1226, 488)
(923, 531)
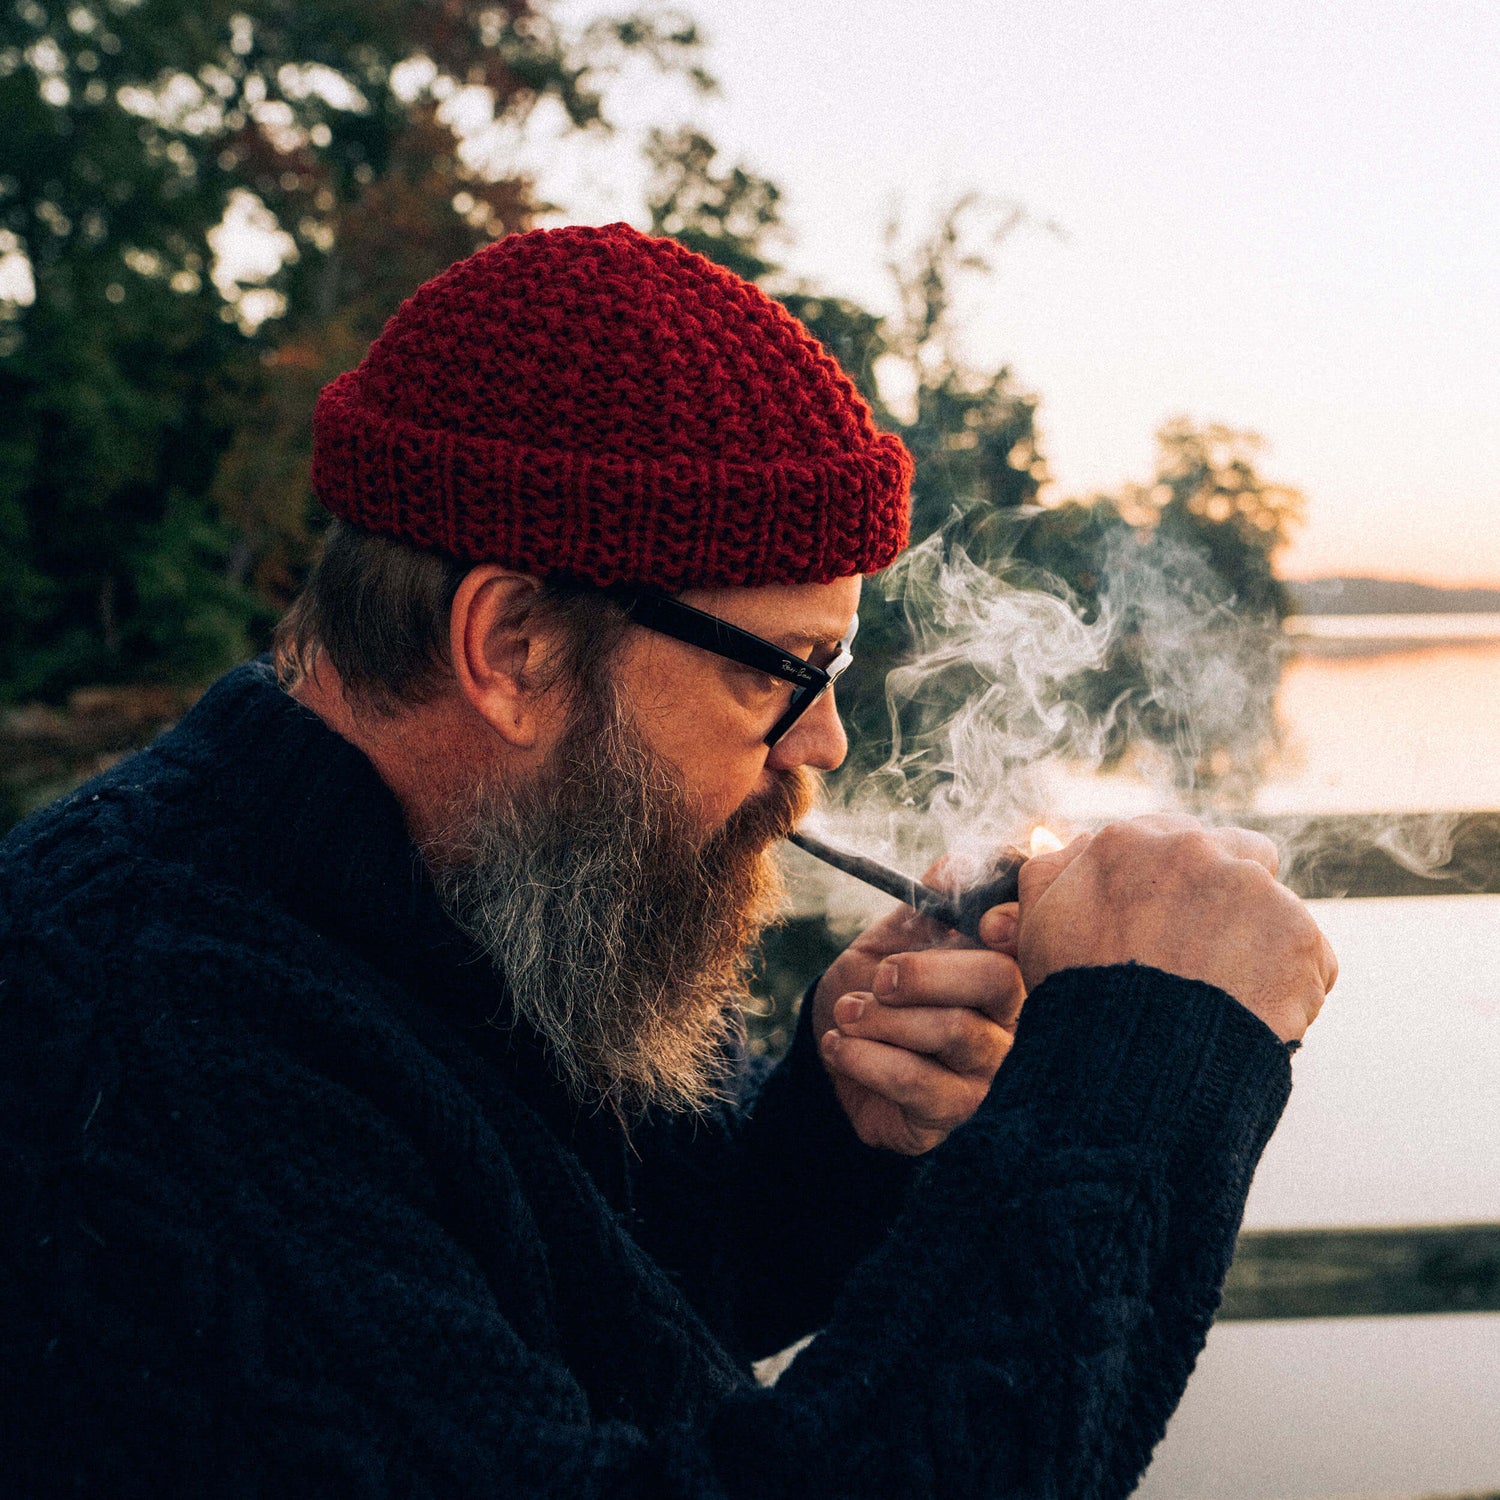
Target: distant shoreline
(1380, 635)
(1386, 596)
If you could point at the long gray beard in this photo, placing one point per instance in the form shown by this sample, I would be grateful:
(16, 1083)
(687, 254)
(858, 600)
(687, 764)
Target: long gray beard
(621, 932)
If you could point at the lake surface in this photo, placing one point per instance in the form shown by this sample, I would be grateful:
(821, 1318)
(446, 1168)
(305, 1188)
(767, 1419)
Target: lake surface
(1412, 727)
(1395, 1113)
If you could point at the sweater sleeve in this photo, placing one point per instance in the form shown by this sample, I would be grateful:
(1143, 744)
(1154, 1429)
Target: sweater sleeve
(1039, 1306)
(305, 1317)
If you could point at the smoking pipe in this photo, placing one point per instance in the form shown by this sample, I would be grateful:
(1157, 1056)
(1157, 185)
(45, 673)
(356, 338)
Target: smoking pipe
(960, 912)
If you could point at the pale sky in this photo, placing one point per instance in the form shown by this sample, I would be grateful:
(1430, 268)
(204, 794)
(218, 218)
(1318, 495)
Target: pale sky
(1283, 216)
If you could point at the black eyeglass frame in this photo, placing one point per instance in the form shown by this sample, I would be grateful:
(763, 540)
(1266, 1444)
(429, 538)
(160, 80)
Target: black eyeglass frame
(667, 616)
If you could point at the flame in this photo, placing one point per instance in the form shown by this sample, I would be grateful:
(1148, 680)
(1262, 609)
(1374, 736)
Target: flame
(1044, 841)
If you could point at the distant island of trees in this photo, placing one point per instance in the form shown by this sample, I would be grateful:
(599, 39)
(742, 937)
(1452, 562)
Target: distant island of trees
(1386, 596)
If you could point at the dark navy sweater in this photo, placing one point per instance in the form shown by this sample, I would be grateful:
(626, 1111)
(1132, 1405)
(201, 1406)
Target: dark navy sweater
(287, 1209)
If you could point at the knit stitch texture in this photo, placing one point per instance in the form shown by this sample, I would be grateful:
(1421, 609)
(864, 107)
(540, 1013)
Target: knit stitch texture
(602, 404)
(289, 1210)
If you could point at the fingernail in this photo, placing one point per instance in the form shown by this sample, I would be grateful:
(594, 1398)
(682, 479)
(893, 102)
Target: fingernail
(830, 1040)
(886, 978)
(848, 1009)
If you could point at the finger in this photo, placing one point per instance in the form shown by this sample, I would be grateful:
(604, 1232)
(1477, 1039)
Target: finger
(1328, 963)
(928, 1093)
(1042, 869)
(975, 977)
(1243, 843)
(902, 929)
(1000, 926)
(965, 1041)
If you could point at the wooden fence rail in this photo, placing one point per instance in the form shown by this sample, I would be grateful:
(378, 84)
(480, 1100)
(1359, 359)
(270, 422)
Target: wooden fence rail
(1346, 1273)
(1395, 854)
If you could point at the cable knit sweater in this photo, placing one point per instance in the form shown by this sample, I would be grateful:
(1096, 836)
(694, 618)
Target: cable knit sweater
(288, 1210)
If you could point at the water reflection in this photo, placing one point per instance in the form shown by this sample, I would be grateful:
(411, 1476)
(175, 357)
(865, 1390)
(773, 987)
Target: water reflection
(1415, 730)
(1364, 635)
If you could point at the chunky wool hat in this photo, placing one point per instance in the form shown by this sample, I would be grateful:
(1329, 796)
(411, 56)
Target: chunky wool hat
(598, 403)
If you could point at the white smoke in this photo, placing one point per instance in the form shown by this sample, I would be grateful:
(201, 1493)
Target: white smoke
(991, 735)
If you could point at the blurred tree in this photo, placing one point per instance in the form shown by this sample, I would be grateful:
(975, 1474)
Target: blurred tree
(972, 431)
(732, 215)
(156, 404)
(1209, 495)
(727, 216)
(1186, 566)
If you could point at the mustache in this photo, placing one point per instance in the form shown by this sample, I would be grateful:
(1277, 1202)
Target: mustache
(771, 813)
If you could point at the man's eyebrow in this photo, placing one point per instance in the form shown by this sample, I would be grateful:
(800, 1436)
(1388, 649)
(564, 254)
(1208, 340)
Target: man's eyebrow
(789, 639)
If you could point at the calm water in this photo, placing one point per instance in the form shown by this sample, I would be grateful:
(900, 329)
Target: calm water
(1413, 729)
(1395, 1117)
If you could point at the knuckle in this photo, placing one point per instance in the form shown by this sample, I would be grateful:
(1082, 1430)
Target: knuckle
(981, 1047)
(914, 1090)
(948, 1108)
(915, 971)
(1330, 967)
(965, 1034)
(1253, 882)
(963, 1103)
(1268, 850)
(988, 1032)
(1305, 933)
(1302, 940)
(1309, 940)
(1000, 972)
(1196, 850)
(1011, 990)
(1114, 840)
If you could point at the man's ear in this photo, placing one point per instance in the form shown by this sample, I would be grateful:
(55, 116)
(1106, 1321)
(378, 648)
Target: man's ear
(496, 650)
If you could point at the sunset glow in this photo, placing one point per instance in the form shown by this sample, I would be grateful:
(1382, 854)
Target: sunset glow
(1277, 217)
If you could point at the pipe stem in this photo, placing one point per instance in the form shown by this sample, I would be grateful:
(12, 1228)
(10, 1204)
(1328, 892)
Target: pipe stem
(960, 911)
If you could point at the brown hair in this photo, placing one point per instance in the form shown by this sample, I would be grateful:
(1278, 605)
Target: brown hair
(380, 608)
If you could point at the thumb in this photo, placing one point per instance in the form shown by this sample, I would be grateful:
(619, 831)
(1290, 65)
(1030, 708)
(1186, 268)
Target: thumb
(1038, 873)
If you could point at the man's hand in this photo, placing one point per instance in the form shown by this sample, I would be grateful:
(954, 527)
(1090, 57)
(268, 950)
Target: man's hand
(913, 1020)
(1200, 902)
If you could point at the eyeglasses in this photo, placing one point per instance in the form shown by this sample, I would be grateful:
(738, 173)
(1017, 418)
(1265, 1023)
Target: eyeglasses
(671, 617)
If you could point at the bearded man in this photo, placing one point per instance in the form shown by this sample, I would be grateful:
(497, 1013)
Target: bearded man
(373, 1114)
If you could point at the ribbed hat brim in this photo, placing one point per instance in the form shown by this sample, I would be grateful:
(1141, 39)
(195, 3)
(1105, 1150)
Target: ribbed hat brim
(676, 522)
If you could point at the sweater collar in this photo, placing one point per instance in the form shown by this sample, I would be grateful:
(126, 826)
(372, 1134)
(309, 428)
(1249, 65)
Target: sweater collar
(301, 815)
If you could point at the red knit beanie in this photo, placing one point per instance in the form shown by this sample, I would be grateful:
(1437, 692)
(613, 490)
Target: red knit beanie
(598, 403)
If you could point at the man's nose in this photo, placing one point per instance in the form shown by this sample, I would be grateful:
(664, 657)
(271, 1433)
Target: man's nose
(816, 740)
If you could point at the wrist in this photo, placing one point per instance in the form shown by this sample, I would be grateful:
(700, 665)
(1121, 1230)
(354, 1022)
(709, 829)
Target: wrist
(1162, 1060)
